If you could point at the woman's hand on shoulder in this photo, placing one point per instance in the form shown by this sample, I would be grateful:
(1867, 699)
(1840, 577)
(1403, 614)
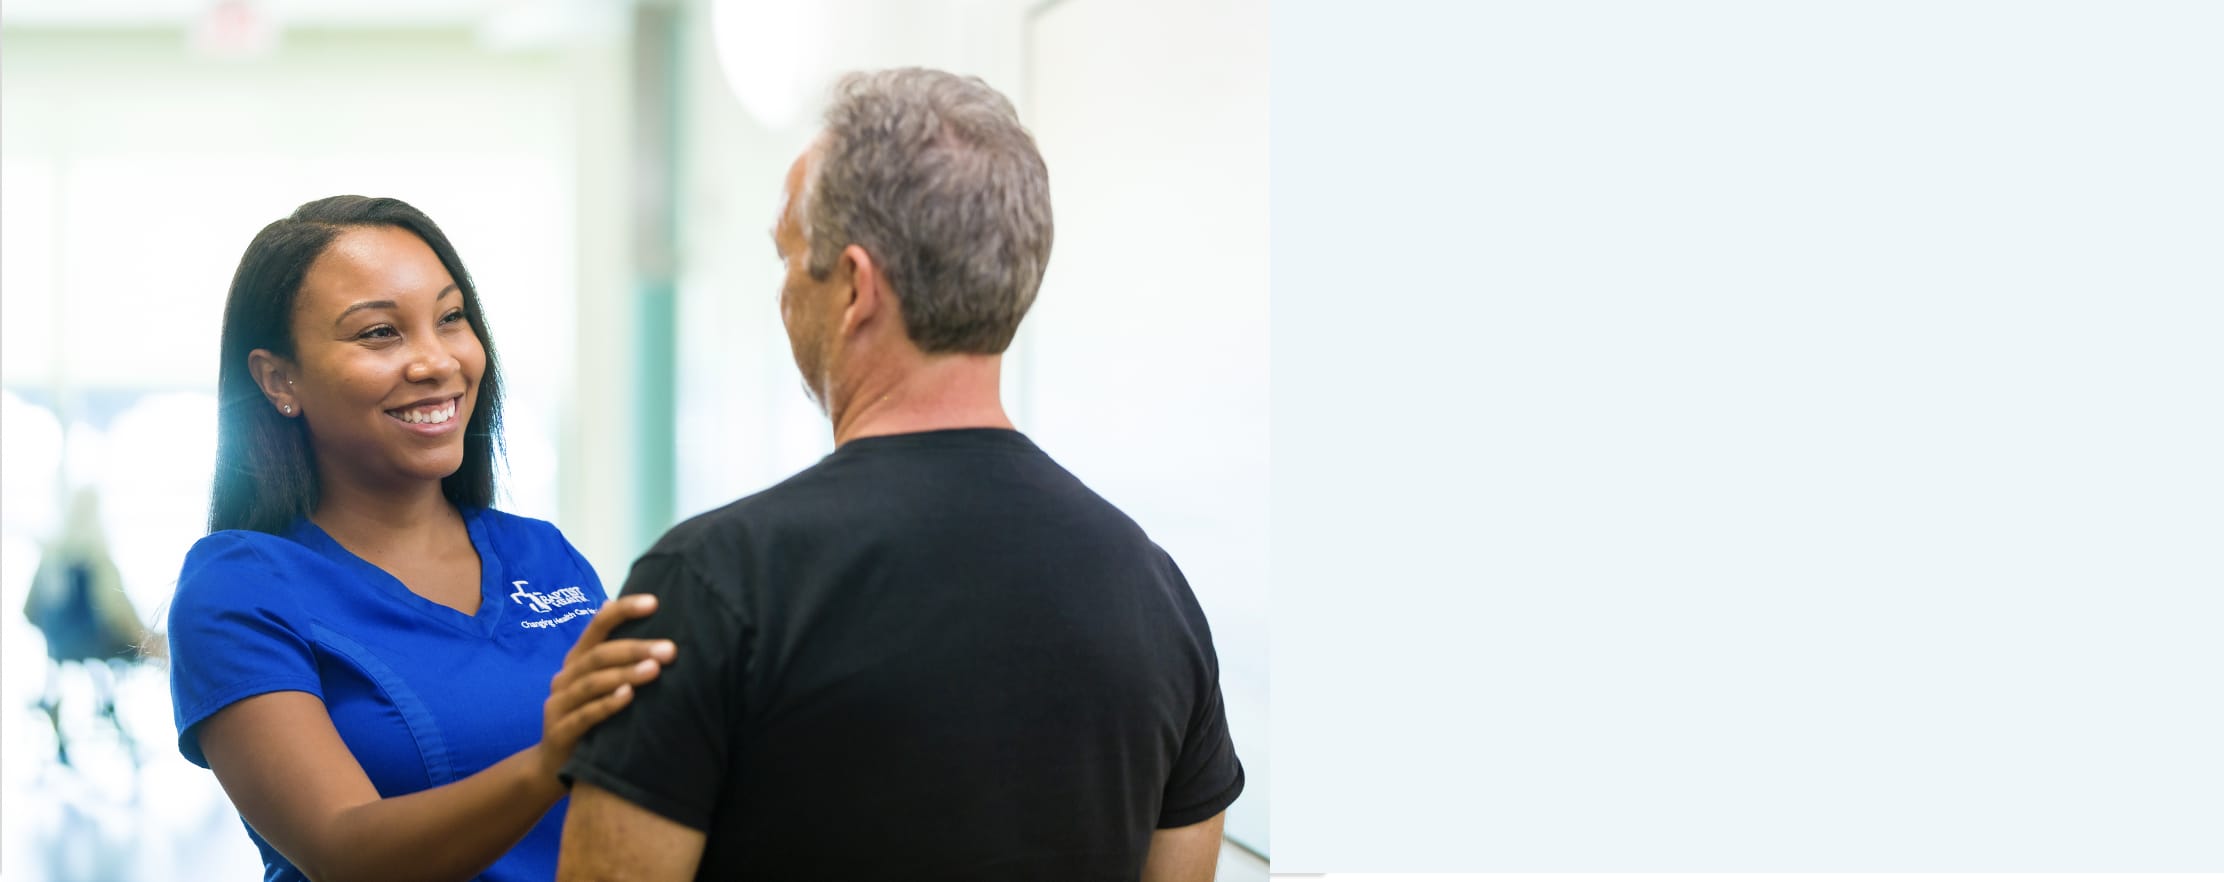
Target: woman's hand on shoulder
(598, 678)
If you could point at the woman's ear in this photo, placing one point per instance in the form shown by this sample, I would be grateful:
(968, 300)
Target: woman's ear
(275, 373)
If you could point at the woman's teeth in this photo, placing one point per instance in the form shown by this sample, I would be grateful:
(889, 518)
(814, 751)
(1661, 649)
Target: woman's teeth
(439, 413)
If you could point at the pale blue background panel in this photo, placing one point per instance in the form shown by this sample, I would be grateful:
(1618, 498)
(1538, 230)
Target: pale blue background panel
(1721, 436)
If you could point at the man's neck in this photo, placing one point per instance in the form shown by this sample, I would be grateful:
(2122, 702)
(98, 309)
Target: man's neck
(923, 394)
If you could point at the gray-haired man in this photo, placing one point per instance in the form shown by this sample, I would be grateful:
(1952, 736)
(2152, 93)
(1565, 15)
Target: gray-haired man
(934, 654)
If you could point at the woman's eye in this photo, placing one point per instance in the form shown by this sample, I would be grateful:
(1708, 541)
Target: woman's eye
(452, 317)
(379, 332)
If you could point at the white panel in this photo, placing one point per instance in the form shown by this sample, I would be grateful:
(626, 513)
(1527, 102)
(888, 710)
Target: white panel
(1788, 440)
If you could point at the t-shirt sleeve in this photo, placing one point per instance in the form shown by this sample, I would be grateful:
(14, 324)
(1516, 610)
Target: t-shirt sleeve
(1207, 777)
(234, 633)
(668, 750)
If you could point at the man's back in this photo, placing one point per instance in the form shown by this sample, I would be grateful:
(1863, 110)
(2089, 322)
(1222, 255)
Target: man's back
(933, 655)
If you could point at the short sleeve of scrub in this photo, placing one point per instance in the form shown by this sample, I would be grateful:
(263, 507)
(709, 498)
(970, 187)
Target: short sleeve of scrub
(235, 633)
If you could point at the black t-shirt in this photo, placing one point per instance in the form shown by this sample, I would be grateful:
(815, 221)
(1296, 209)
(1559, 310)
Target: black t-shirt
(929, 656)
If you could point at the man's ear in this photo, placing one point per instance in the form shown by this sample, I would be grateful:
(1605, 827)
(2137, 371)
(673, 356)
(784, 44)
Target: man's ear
(868, 290)
(274, 374)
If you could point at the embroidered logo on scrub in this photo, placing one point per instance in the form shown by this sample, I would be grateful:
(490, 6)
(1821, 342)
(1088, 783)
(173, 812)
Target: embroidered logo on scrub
(544, 603)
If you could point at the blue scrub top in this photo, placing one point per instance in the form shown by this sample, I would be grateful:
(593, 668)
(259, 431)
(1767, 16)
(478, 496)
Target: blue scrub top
(423, 695)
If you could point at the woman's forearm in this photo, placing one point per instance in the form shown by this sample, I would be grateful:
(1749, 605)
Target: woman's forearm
(448, 833)
(294, 779)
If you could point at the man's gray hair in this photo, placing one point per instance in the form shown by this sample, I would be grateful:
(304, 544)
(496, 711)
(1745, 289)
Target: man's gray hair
(934, 176)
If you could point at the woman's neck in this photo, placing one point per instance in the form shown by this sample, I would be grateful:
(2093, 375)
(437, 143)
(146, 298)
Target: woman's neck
(399, 520)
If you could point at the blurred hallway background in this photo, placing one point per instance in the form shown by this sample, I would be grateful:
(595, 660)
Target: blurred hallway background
(608, 170)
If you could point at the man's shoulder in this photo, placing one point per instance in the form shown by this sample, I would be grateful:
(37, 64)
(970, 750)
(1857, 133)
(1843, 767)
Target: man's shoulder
(710, 554)
(764, 509)
(866, 492)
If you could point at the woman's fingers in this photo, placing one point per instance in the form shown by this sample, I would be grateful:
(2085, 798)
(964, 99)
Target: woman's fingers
(598, 684)
(598, 695)
(599, 674)
(624, 652)
(612, 614)
(584, 717)
(614, 654)
(593, 642)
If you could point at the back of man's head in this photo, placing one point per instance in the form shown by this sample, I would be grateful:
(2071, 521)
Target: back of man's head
(933, 175)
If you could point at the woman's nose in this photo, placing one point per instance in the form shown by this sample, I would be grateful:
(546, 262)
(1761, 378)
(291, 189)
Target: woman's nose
(432, 361)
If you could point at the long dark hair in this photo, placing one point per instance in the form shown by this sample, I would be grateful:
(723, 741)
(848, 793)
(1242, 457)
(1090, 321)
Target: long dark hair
(266, 473)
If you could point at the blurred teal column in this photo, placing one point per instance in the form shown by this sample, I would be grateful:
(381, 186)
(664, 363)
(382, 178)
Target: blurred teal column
(656, 102)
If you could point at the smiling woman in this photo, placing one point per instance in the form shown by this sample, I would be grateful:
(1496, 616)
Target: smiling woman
(319, 296)
(358, 645)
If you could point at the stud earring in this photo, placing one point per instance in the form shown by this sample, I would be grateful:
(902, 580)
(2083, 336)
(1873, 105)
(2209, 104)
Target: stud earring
(288, 408)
